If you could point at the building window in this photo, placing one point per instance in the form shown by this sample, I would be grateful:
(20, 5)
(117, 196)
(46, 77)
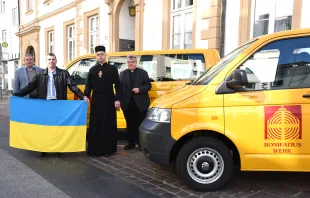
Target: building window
(2, 6)
(93, 33)
(188, 30)
(4, 36)
(182, 24)
(71, 42)
(29, 5)
(50, 41)
(275, 17)
(14, 16)
(176, 32)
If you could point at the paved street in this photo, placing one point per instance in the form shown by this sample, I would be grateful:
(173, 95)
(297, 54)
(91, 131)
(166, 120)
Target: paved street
(126, 174)
(17, 180)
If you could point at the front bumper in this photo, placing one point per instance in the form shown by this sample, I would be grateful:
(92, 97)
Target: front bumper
(156, 141)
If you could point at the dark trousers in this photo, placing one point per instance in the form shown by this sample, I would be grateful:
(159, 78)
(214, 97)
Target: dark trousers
(134, 118)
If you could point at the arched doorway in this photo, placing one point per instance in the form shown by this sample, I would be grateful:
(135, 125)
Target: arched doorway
(30, 50)
(118, 20)
(126, 31)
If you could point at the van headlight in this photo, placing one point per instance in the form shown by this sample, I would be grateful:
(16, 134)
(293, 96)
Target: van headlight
(159, 115)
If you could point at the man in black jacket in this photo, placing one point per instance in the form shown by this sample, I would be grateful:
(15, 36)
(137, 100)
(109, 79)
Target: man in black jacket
(51, 84)
(135, 84)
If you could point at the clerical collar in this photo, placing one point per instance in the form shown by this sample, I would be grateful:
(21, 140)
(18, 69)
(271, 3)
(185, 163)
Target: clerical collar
(101, 64)
(132, 70)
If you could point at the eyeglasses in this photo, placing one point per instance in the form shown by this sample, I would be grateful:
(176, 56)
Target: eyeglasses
(130, 62)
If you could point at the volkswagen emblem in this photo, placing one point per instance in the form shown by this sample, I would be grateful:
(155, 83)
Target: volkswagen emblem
(205, 166)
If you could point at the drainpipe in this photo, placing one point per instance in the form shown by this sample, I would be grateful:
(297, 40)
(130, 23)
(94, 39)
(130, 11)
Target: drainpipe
(223, 20)
(20, 40)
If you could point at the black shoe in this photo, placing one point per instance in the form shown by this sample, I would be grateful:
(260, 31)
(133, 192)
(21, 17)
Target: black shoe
(109, 154)
(41, 154)
(139, 147)
(129, 146)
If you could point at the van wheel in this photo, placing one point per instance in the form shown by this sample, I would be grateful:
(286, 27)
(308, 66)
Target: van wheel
(205, 163)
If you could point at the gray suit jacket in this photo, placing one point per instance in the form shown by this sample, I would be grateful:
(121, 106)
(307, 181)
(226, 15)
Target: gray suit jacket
(21, 78)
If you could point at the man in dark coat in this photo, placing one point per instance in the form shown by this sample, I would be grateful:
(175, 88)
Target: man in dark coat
(135, 84)
(102, 132)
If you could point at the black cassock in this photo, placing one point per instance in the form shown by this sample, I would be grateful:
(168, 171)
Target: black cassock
(101, 136)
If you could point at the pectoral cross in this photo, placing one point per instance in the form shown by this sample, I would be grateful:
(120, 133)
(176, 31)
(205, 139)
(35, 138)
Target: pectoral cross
(100, 74)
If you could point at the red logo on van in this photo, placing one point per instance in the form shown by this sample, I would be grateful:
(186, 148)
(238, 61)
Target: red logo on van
(283, 122)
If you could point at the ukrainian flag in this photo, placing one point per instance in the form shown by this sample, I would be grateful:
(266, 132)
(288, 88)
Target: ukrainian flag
(48, 125)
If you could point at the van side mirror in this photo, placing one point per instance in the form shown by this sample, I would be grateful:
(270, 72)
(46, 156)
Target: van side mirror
(238, 79)
(189, 83)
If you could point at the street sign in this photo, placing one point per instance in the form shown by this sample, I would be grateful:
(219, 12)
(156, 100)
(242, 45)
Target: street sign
(5, 44)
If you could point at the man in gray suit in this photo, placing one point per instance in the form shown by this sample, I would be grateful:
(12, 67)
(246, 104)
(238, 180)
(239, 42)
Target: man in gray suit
(25, 74)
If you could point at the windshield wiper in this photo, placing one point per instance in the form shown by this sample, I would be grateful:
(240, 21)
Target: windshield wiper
(164, 78)
(189, 83)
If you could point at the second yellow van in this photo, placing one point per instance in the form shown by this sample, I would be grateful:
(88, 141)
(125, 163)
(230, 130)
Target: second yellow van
(167, 69)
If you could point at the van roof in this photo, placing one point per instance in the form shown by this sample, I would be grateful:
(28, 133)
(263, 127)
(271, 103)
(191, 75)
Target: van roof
(146, 52)
(284, 33)
(169, 51)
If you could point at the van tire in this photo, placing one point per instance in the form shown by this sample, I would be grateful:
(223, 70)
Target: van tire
(203, 151)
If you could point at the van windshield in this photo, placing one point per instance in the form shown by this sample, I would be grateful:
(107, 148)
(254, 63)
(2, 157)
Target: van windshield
(205, 78)
(166, 67)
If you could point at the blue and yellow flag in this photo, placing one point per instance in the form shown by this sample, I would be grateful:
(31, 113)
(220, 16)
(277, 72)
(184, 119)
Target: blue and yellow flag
(48, 125)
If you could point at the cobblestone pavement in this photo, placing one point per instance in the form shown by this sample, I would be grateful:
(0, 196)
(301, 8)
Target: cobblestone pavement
(133, 167)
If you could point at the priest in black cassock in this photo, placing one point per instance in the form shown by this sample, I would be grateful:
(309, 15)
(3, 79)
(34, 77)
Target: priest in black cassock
(102, 138)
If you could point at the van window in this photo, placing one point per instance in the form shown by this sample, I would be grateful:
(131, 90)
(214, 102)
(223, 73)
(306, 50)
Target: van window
(282, 64)
(120, 62)
(215, 70)
(79, 70)
(166, 67)
(183, 66)
(146, 62)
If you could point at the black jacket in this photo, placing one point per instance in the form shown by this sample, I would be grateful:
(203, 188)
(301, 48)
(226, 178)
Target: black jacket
(62, 80)
(142, 82)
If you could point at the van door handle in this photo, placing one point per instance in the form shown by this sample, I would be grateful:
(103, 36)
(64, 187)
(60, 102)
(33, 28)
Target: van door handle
(306, 96)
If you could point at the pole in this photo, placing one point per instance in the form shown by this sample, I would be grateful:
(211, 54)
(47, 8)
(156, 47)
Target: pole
(223, 21)
(1, 64)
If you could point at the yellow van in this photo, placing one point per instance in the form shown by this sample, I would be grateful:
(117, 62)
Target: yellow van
(167, 69)
(250, 110)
